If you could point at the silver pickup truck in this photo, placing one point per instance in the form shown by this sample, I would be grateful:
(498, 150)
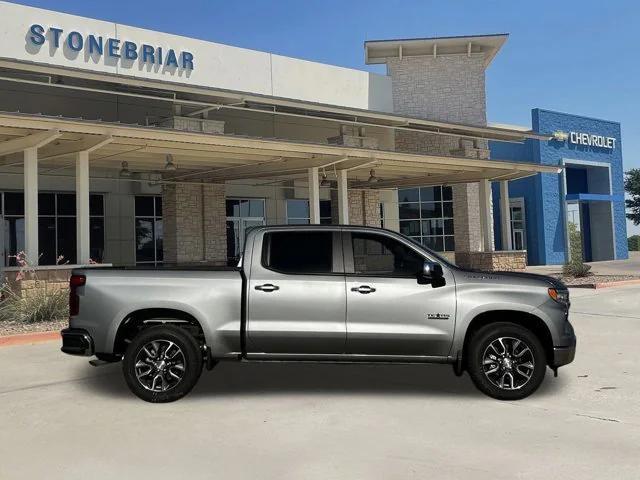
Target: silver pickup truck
(321, 293)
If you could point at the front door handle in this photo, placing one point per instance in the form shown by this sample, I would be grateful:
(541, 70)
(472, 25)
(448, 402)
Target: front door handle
(363, 289)
(267, 287)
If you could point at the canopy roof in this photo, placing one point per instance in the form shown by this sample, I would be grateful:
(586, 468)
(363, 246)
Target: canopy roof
(219, 158)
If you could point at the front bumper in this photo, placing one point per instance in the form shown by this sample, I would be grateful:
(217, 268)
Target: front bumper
(564, 355)
(76, 341)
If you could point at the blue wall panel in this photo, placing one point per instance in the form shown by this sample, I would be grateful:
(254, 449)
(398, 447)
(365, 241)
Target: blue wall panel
(543, 193)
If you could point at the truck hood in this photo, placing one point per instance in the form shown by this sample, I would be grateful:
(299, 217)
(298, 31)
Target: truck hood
(533, 279)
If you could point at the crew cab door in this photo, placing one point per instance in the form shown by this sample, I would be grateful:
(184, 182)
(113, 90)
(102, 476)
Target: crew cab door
(389, 312)
(296, 293)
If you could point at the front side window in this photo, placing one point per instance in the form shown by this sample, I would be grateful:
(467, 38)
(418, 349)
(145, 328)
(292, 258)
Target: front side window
(379, 255)
(299, 252)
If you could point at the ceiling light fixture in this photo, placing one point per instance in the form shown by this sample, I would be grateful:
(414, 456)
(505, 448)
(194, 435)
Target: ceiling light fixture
(124, 171)
(372, 177)
(170, 166)
(325, 181)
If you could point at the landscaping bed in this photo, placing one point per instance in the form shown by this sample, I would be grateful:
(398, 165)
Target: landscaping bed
(592, 281)
(16, 328)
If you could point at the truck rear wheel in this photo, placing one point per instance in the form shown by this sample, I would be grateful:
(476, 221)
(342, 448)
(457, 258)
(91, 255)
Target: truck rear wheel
(162, 364)
(506, 361)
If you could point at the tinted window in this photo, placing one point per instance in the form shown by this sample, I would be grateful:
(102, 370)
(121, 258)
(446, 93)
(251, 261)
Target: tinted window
(299, 252)
(144, 206)
(66, 203)
(96, 205)
(378, 255)
(46, 204)
(13, 203)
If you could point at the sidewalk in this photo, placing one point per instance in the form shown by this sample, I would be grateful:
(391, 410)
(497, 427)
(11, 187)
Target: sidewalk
(612, 267)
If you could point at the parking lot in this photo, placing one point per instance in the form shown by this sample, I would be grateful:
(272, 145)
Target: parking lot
(62, 418)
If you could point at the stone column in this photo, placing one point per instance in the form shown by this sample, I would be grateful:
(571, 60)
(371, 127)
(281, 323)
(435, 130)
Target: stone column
(182, 216)
(215, 224)
(194, 220)
(448, 88)
(364, 207)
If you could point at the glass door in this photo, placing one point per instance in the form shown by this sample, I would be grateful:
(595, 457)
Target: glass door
(242, 215)
(518, 226)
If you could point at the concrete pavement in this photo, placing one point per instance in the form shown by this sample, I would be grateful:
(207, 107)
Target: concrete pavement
(62, 419)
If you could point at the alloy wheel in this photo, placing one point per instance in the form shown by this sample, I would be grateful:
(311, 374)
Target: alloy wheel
(160, 365)
(508, 363)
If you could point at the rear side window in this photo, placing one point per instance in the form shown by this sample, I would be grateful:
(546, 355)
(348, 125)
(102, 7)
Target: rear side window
(298, 252)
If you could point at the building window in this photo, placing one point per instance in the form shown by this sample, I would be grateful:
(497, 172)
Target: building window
(149, 231)
(56, 227)
(242, 215)
(426, 215)
(298, 212)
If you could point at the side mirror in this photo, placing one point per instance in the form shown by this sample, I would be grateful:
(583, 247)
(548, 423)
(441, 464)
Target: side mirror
(432, 273)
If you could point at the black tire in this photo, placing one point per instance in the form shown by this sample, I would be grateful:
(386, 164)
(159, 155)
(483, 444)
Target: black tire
(184, 360)
(514, 363)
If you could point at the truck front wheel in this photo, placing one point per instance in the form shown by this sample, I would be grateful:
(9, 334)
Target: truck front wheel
(506, 361)
(162, 364)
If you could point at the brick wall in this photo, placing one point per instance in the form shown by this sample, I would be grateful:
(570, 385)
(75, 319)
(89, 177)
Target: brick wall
(493, 261)
(47, 280)
(194, 221)
(447, 88)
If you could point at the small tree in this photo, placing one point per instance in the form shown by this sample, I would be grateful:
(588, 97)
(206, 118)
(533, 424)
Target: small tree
(576, 266)
(634, 243)
(632, 186)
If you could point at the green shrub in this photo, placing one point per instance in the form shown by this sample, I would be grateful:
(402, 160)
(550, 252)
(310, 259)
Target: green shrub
(576, 269)
(634, 243)
(37, 306)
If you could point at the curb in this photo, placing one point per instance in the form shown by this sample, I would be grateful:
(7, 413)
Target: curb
(620, 283)
(29, 338)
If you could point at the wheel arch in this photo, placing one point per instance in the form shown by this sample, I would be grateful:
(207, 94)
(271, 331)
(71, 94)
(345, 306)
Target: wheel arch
(137, 320)
(527, 320)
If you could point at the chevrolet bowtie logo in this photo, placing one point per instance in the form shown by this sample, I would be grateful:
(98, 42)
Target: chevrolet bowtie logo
(560, 136)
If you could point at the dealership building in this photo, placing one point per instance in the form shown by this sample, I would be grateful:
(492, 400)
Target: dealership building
(127, 146)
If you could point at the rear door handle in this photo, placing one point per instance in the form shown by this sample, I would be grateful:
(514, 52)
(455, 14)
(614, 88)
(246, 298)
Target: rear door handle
(267, 287)
(363, 289)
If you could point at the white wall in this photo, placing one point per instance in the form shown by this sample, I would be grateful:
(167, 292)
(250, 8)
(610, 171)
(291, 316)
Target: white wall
(215, 65)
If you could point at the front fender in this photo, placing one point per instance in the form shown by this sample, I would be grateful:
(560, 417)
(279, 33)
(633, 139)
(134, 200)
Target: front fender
(466, 317)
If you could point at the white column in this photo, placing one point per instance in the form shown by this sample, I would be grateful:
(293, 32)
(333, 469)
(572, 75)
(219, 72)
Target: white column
(343, 198)
(505, 216)
(31, 205)
(82, 208)
(314, 196)
(486, 215)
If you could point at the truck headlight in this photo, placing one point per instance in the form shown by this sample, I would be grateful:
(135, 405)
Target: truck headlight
(560, 296)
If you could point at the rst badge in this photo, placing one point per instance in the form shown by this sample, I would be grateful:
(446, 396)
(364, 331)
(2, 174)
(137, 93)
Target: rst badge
(438, 316)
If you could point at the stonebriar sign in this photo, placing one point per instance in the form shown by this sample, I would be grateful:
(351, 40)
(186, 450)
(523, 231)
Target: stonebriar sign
(97, 45)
